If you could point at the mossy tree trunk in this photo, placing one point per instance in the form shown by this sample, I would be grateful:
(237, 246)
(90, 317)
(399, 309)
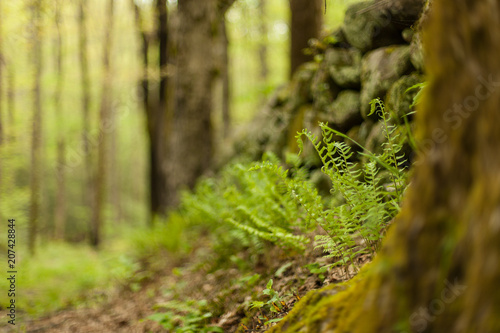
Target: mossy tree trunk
(439, 267)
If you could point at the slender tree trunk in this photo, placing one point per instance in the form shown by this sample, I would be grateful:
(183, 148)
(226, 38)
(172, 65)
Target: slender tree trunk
(306, 22)
(2, 64)
(36, 137)
(226, 92)
(60, 211)
(11, 105)
(157, 120)
(155, 107)
(439, 267)
(104, 124)
(88, 182)
(263, 31)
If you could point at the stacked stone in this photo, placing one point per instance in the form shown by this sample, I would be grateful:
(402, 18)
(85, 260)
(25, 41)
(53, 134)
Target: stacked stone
(375, 54)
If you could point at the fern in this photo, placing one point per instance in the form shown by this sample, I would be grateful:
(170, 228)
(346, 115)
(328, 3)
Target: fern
(369, 204)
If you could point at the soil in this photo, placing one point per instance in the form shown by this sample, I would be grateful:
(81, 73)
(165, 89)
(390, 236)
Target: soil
(226, 290)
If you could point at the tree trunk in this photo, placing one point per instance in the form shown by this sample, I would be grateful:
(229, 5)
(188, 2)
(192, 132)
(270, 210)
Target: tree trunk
(88, 183)
(439, 267)
(226, 90)
(191, 137)
(155, 107)
(263, 31)
(36, 8)
(306, 22)
(156, 121)
(10, 102)
(101, 179)
(60, 210)
(2, 64)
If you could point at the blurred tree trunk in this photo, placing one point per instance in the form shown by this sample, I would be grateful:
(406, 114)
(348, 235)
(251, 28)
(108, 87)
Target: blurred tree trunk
(306, 23)
(2, 64)
(10, 102)
(226, 92)
(155, 106)
(88, 183)
(439, 267)
(191, 137)
(157, 120)
(60, 211)
(105, 126)
(263, 31)
(36, 136)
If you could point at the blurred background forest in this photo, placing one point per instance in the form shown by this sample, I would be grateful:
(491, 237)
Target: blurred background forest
(77, 113)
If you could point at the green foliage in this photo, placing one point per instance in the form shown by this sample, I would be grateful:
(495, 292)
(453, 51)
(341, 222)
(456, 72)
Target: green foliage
(315, 268)
(274, 304)
(184, 317)
(370, 202)
(79, 271)
(169, 234)
(418, 96)
(254, 206)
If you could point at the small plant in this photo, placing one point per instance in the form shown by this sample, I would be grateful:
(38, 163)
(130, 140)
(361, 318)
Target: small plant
(274, 305)
(316, 269)
(184, 317)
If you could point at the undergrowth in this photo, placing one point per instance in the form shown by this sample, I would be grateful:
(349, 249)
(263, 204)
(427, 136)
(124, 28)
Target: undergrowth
(250, 206)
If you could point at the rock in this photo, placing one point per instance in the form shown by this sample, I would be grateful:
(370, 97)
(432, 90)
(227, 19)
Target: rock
(300, 88)
(379, 70)
(416, 50)
(408, 34)
(398, 101)
(323, 89)
(376, 138)
(344, 66)
(403, 13)
(344, 112)
(417, 54)
(368, 26)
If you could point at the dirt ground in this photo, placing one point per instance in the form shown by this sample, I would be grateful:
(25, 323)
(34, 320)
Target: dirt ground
(194, 278)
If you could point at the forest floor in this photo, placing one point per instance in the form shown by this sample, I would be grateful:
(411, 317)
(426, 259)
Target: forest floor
(229, 291)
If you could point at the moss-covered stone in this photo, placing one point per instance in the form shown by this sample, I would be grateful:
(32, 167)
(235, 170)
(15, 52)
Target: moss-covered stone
(368, 26)
(344, 112)
(323, 89)
(344, 66)
(398, 100)
(379, 70)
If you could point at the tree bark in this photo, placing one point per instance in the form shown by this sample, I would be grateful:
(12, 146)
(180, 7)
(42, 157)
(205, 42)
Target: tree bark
(439, 267)
(226, 90)
(191, 137)
(60, 209)
(155, 106)
(263, 31)
(2, 64)
(306, 23)
(101, 179)
(36, 136)
(88, 182)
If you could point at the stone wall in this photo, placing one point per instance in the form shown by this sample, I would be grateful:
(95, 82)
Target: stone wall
(374, 54)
